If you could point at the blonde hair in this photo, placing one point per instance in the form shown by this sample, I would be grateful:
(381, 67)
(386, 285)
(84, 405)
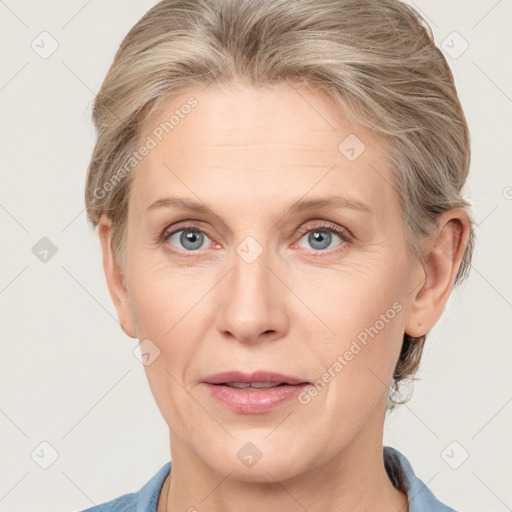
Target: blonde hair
(375, 58)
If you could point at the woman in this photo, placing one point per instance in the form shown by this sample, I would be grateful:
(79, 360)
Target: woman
(277, 190)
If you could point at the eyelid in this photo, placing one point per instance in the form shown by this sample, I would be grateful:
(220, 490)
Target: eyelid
(327, 226)
(190, 225)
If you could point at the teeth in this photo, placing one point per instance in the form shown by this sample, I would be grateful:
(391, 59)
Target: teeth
(252, 384)
(238, 384)
(264, 384)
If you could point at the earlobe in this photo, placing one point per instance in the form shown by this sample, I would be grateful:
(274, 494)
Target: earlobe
(440, 268)
(115, 279)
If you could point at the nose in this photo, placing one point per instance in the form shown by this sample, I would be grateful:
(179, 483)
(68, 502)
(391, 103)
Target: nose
(252, 302)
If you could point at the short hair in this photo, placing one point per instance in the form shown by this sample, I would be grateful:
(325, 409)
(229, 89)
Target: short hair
(376, 59)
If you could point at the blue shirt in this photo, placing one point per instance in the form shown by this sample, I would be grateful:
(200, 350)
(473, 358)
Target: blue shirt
(398, 468)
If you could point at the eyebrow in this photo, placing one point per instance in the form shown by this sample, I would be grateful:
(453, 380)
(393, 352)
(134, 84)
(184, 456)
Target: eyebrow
(328, 202)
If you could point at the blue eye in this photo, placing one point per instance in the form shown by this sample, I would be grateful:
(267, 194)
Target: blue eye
(190, 239)
(320, 239)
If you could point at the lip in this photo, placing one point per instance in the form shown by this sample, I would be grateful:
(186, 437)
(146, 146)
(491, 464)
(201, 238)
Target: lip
(250, 400)
(258, 376)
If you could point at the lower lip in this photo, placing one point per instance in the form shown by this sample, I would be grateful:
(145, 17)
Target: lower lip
(254, 401)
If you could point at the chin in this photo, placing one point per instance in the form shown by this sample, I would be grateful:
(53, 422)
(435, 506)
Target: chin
(260, 461)
(268, 471)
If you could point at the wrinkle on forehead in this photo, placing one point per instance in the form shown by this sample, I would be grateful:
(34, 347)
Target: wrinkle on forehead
(265, 143)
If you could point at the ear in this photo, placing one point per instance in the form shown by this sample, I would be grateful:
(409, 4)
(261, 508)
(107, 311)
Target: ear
(115, 278)
(442, 260)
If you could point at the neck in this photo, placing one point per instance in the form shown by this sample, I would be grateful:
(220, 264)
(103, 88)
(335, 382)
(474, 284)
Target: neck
(354, 480)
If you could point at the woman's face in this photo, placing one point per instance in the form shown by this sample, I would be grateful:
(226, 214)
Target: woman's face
(259, 276)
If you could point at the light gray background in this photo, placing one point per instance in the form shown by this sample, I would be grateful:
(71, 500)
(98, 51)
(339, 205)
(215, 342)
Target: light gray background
(69, 375)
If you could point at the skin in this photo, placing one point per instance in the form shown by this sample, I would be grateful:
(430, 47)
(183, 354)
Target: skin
(249, 154)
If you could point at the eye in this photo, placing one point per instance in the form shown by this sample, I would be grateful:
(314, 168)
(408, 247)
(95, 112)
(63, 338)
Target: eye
(320, 238)
(192, 238)
(187, 239)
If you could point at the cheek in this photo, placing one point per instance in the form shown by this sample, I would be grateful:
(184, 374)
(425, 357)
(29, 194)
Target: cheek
(352, 297)
(162, 298)
(164, 314)
(360, 318)
(169, 308)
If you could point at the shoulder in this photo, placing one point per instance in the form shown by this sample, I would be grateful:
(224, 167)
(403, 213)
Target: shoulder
(125, 503)
(144, 500)
(402, 475)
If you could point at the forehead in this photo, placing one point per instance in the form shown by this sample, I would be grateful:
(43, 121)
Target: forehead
(241, 141)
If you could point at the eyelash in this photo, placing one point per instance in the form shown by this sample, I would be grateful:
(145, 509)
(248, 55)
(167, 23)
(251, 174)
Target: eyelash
(343, 233)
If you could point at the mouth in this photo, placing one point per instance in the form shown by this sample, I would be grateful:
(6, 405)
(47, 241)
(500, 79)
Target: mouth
(254, 393)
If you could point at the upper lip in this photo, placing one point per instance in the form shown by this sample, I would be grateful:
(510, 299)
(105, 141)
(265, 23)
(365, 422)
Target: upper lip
(258, 376)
